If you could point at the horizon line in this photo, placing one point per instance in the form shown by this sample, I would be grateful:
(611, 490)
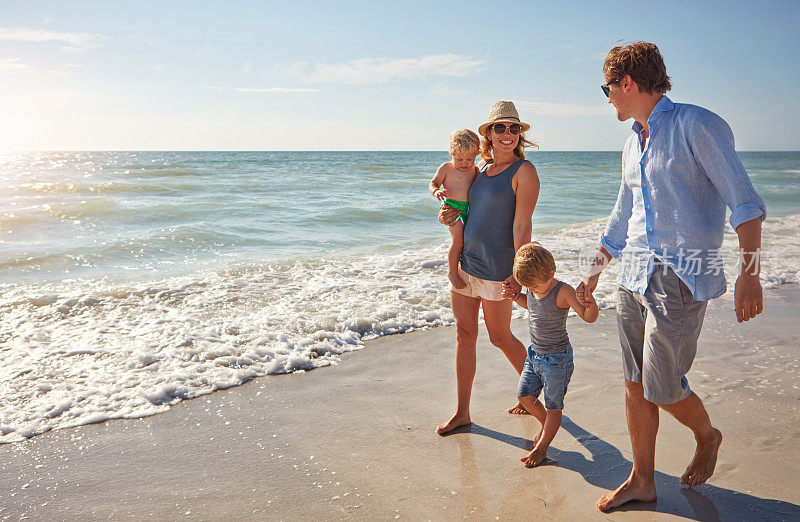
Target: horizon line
(326, 150)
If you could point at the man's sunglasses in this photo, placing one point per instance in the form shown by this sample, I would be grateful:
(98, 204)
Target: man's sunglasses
(605, 88)
(514, 128)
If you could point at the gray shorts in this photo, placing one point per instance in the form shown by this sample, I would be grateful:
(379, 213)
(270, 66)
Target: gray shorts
(658, 332)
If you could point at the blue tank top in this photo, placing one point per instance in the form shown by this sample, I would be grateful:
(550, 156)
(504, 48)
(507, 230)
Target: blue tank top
(488, 251)
(547, 322)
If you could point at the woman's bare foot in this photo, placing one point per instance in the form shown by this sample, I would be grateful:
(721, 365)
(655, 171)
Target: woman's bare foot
(456, 280)
(519, 409)
(456, 422)
(631, 489)
(705, 460)
(534, 458)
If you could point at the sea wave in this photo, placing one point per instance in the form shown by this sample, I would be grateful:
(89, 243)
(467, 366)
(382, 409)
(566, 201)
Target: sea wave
(78, 352)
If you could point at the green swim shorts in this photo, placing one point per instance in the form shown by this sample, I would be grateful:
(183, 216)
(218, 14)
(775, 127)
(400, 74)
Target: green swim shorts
(463, 206)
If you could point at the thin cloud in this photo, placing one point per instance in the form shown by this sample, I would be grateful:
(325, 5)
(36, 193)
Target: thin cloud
(265, 89)
(596, 57)
(73, 42)
(365, 71)
(561, 109)
(272, 89)
(13, 65)
(562, 47)
(201, 50)
(445, 90)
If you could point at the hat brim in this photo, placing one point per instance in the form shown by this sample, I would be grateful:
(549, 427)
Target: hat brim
(482, 129)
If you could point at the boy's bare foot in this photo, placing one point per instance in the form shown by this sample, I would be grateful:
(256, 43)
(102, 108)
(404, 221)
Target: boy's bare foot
(456, 280)
(534, 458)
(456, 422)
(631, 489)
(705, 459)
(518, 409)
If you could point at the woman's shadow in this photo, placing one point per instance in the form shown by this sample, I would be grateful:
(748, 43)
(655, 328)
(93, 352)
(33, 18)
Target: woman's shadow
(608, 468)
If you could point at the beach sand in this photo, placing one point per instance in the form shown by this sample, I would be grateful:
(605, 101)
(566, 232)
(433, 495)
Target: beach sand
(357, 440)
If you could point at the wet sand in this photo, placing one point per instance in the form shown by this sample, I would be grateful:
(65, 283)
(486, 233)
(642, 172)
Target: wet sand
(357, 440)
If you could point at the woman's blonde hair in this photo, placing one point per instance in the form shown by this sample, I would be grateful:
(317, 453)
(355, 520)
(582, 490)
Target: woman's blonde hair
(533, 264)
(519, 150)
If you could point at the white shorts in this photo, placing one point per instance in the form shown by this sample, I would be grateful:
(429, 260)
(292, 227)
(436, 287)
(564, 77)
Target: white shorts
(480, 288)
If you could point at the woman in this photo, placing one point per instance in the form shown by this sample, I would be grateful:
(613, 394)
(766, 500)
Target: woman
(501, 203)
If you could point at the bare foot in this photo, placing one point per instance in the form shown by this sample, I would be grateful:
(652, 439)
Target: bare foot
(705, 459)
(534, 458)
(456, 422)
(519, 409)
(631, 489)
(456, 280)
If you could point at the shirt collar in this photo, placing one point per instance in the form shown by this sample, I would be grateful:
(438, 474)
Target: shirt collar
(663, 105)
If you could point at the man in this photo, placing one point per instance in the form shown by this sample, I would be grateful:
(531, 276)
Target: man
(679, 171)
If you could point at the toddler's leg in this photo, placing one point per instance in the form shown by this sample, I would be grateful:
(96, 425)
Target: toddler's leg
(535, 408)
(539, 453)
(454, 254)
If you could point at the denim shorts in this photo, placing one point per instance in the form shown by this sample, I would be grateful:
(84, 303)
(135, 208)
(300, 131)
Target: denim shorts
(551, 372)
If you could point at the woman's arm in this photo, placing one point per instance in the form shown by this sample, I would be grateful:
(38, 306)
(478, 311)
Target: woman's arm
(526, 187)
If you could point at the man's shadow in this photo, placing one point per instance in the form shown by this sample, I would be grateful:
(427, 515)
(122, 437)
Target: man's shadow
(608, 468)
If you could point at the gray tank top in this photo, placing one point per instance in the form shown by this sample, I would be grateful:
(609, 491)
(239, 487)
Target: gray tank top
(548, 323)
(488, 251)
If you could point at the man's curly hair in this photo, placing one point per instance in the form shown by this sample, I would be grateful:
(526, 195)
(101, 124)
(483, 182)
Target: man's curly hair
(643, 62)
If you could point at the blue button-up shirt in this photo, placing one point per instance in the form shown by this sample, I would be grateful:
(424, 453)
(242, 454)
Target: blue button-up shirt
(671, 202)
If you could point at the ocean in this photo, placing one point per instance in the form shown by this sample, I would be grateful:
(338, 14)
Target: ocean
(130, 281)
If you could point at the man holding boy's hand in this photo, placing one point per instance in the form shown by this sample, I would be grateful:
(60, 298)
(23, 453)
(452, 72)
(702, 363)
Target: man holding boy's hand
(679, 171)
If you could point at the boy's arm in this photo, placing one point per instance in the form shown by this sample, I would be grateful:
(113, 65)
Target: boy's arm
(436, 183)
(519, 298)
(566, 296)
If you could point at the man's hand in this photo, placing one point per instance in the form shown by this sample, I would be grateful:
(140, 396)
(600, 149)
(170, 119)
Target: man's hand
(440, 194)
(511, 288)
(585, 290)
(747, 297)
(448, 215)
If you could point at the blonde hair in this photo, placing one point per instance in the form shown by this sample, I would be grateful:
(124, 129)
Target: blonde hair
(464, 141)
(519, 150)
(533, 264)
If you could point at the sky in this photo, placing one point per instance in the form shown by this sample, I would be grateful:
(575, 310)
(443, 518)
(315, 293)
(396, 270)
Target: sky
(376, 75)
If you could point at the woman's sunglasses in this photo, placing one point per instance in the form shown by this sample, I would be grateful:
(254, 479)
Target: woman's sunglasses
(514, 128)
(605, 88)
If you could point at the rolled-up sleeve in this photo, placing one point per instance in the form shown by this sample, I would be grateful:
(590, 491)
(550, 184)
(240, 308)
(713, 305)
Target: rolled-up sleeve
(713, 148)
(615, 236)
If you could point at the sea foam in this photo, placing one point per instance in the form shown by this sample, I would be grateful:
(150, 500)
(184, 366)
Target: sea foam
(79, 352)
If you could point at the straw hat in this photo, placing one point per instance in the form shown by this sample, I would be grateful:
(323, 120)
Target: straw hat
(502, 112)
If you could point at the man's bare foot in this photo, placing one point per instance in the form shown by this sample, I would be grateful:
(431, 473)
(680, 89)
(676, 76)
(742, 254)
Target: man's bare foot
(456, 422)
(456, 280)
(631, 489)
(534, 458)
(519, 409)
(705, 459)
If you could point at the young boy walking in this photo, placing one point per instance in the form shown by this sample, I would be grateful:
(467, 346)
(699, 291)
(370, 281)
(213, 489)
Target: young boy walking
(549, 364)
